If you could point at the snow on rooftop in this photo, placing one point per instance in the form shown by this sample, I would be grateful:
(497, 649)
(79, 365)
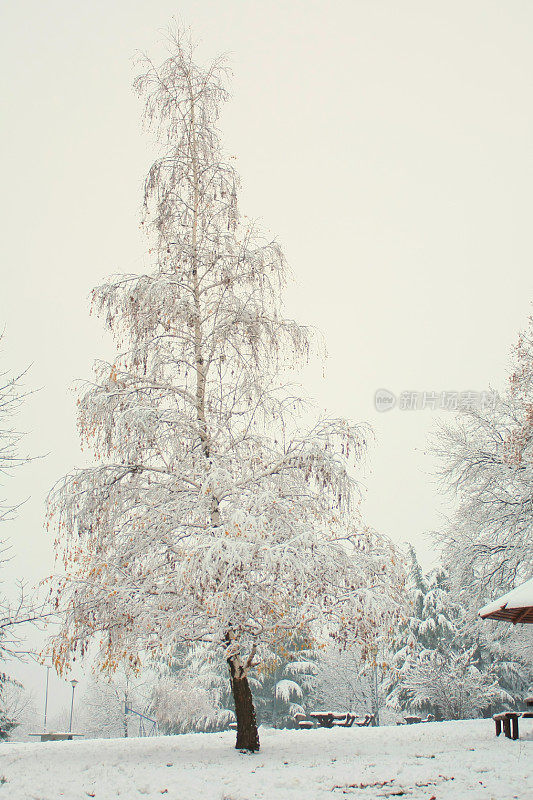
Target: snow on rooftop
(521, 597)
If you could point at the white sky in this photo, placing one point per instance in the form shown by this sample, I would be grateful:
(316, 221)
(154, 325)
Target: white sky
(386, 145)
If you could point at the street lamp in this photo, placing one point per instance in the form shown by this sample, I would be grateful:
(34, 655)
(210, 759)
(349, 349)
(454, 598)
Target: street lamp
(46, 697)
(73, 683)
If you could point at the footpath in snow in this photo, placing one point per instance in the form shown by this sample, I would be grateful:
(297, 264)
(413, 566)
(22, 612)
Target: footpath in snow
(435, 761)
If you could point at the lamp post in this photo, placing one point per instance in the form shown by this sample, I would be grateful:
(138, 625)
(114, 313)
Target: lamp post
(46, 697)
(73, 683)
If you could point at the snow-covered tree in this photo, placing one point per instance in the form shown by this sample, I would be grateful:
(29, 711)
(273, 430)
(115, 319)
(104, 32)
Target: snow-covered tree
(443, 663)
(346, 682)
(103, 711)
(8, 721)
(192, 693)
(284, 681)
(11, 398)
(425, 642)
(504, 652)
(448, 685)
(210, 517)
(433, 614)
(18, 609)
(487, 459)
(17, 710)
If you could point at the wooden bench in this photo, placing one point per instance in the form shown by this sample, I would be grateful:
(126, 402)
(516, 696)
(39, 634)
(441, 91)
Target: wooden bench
(364, 723)
(303, 723)
(56, 736)
(416, 720)
(347, 722)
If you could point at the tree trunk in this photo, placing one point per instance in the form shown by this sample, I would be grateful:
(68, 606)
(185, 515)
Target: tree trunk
(375, 696)
(247, 733)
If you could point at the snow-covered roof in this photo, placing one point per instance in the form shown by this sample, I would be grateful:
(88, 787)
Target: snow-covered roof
(515, 606)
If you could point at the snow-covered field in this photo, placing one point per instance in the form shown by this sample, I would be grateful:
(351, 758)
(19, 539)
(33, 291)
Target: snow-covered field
(445, 761)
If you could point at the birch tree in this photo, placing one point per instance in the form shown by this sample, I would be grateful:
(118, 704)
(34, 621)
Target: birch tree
(209, 517)
(487, 459)
(11, 398)
(16, 607)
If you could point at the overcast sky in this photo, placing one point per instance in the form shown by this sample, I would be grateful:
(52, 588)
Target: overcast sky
(387, 145)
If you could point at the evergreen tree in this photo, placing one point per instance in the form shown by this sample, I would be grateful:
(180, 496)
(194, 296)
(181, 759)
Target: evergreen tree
(440, 666)
(193, 693)
(284, 682)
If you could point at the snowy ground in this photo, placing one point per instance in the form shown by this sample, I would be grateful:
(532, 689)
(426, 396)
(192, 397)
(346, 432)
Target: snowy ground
(444, 761)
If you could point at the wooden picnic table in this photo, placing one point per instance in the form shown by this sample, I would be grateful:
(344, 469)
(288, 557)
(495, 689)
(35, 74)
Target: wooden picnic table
(326, 719)
(332, 719)
(509, 720)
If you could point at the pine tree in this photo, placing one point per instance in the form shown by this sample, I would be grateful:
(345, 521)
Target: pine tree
(442, 665)
(284, 681)
(192, 692)
(210, 517)
(503, 652)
